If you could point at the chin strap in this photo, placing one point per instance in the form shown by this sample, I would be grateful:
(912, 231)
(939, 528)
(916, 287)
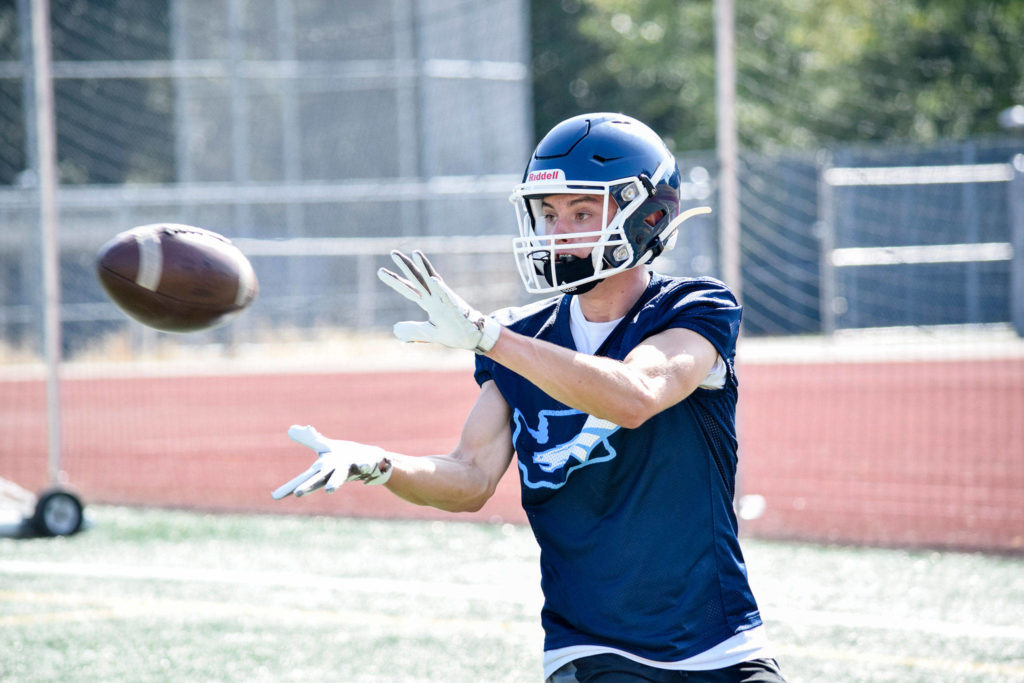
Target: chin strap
(569, 269)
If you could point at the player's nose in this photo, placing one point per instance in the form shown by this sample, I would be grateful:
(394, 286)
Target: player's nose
(560, 226)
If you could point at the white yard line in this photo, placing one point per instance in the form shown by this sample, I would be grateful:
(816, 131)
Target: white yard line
(522, 592)
(525, 593)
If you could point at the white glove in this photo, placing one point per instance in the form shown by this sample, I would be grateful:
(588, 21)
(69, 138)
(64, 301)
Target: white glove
(338, 462)
(453, 322)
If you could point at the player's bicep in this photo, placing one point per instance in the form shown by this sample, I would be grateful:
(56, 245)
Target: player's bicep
(673, 363)
(485, 444)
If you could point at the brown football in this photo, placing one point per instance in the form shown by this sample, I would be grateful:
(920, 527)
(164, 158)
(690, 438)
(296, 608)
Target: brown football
(176, 278)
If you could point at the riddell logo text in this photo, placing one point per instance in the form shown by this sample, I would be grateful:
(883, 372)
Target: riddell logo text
(555, 174)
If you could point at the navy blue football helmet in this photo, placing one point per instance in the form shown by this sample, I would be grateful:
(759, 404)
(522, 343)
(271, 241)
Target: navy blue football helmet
(613, 156)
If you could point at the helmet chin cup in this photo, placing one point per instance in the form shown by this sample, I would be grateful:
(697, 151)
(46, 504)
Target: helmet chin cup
(565, 271)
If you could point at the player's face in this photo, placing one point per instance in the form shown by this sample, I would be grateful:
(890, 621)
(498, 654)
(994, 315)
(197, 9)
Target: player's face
(568, 214)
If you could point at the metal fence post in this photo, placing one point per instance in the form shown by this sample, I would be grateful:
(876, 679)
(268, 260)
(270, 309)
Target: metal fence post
(1015, 212)
(46, 130)
(727, 147)
(972, 229)
(825, 230)
(29, 254)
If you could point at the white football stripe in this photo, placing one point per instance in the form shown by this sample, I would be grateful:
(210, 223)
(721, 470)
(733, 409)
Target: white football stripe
(246, 282)
(151, 260)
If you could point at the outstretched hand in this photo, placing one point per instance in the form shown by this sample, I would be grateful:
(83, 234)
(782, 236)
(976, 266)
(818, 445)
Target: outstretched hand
(337, 462)
(452, 322)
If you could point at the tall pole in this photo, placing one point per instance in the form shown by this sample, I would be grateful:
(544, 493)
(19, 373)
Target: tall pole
(47, 146)
(727, 148)
(1016, 211)
(727, 145)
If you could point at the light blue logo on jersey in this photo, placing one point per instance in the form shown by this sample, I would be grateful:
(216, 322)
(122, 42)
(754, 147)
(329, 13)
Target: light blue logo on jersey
(563, 458)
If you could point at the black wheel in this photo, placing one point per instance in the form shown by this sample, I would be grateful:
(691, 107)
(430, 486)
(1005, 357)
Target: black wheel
(58, 513)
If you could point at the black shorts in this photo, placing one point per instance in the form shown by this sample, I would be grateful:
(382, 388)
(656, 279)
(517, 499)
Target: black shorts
(608, 668)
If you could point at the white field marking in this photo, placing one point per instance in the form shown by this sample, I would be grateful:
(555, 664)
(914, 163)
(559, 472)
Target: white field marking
(522, 592)
(1004, 671)
(77, 607)
(526, 593)
(867, 621)
(74, 607)
(85, 608)
(61, 617)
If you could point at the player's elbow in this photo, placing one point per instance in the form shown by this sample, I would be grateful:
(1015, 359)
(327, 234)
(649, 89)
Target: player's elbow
(631, 419)
(473, 505)
(470, 495)
(645, 401)
(468, 502)
(635, 411)
(448, 502)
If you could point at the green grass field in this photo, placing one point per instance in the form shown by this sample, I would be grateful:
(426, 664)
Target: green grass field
(157, 595)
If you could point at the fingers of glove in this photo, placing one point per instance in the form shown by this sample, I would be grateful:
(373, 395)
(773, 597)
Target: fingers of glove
(315, 482)
(425, 264)
(400, 285)
(445, 294)
(290, 487)
(337, 478)
(410, 270)
(449, 298)
(413, 331)
(309, 437)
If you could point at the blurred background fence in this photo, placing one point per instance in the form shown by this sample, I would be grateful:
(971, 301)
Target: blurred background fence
(261, 120)
(321, 135)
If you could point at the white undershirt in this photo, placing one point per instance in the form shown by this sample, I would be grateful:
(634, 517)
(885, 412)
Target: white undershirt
(588, 335)
(744, 646)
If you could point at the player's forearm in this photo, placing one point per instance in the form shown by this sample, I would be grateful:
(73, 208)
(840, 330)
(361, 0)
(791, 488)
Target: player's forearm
(598, 386)
(439, 481)
(463, 480)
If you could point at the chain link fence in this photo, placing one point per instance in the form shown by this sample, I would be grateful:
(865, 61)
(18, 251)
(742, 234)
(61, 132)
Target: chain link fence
(275, 120)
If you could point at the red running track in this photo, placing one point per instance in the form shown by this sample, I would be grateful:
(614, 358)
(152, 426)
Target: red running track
(925, 454)
(908, 454)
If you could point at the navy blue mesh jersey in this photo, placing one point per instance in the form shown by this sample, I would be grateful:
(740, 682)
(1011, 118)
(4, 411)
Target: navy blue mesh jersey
(636, 527)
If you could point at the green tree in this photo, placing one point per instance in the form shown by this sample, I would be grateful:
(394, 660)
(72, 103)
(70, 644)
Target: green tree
(653, 59)
(810, 72)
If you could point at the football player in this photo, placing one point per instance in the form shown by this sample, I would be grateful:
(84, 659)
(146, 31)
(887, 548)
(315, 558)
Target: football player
(616, 397)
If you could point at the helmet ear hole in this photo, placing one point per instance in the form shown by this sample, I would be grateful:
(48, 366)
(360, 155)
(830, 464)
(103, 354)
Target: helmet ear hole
(652, 218)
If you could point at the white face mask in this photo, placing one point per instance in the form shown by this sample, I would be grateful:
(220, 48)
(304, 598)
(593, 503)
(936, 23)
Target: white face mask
(545, 271)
